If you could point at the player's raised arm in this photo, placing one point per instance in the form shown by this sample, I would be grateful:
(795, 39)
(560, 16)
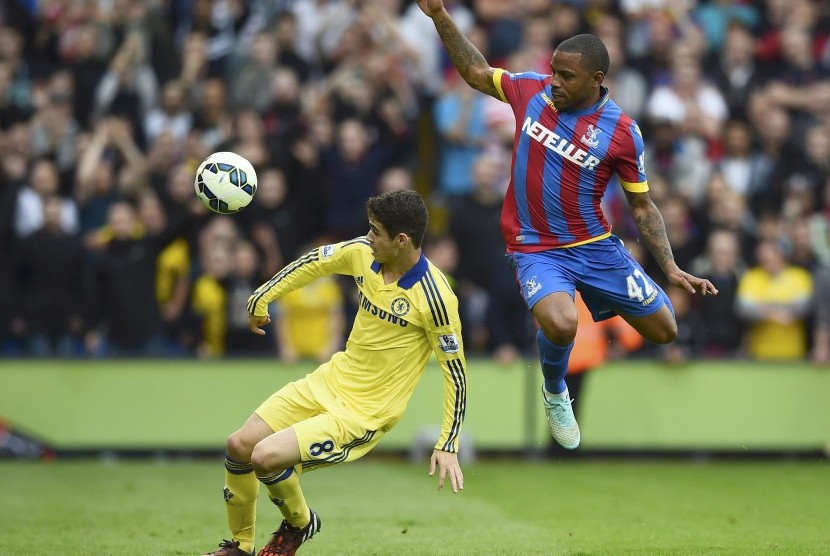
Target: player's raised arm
(652, 230)
(466, 58)
(318, 262)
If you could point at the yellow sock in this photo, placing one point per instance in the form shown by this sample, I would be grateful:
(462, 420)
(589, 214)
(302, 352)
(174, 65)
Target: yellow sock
(241, 491)
(284, 490)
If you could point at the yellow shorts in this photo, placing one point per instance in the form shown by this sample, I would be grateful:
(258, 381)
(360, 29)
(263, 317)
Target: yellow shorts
(327, 431)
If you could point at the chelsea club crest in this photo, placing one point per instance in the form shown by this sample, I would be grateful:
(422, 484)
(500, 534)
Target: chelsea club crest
(400, 306)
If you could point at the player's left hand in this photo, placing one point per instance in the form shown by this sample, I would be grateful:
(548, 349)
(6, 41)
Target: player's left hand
(447, 464)
(691, 284)
(254, 323)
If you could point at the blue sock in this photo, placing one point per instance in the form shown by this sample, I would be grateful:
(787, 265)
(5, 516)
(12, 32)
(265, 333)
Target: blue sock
(554, 360)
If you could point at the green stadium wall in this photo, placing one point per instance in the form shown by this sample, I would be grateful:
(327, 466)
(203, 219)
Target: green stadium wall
(187, 404)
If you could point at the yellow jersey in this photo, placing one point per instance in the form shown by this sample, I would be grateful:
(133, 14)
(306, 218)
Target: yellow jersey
(770, 340)
(397, 328)
(210, 302)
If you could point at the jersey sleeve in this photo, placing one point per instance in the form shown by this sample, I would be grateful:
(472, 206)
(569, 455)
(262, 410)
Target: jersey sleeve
(517, 88)
(630, 161)
(340, 258)
(443, 329)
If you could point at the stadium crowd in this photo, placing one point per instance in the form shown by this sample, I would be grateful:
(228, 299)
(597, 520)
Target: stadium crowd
(108, 106)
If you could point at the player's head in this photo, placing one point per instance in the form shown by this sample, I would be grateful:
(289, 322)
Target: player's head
(397, 221)
(578, 66)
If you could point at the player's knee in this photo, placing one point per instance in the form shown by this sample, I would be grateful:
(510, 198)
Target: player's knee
(238, 447)
(559, 329)
(266, 459)
(666, 334)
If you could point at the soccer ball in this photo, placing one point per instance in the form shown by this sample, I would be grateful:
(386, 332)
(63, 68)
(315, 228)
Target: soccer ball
(225, 182)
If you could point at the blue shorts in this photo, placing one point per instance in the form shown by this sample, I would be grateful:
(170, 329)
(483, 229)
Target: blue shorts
(610, 280)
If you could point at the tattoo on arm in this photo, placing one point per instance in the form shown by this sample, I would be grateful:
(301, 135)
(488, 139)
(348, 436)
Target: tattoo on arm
(653, 231)
(466, 58)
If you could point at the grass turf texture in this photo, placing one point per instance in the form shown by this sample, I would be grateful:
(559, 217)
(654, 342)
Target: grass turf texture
(585, 508)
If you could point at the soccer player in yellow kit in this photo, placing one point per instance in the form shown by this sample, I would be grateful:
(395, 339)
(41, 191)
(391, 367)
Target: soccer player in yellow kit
(340, 412)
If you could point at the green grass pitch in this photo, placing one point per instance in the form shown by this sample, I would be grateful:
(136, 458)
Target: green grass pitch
(574, 508)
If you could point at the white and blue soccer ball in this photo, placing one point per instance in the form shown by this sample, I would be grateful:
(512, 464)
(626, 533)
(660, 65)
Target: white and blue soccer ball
(225, 182)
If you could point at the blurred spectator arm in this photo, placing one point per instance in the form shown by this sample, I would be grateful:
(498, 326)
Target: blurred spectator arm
(123, 140)
(265, 238)
(88, 164)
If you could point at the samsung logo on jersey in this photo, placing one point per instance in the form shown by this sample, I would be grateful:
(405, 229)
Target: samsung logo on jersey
(557, 144)
(371, 308)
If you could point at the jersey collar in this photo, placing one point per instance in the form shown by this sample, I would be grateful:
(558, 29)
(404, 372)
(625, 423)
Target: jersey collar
(412, 275)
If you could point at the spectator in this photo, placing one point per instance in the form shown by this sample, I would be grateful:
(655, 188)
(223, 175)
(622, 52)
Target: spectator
(254, 73)
(459, 118)
(210, 299)
(774, 299)
(122, 282)
(129, 88)
(679, 157)
(354, 170)
(310, 321)
(691, 329)
(49, 275)
(212, 119)
(29, 213)
(484, 273)
(85, 62)
(172, 274)
(286, 35)
(245, 277)
(171, 116)
(688, 99)
(723, 265)
(742, 169)
(734, 69)
(54, 129)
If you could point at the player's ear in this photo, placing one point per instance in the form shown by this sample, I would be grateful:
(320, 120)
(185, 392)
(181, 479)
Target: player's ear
(402, 239)
(598, 78)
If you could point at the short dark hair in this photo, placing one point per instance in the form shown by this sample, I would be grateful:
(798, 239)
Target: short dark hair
(400, 212)
(594, 54)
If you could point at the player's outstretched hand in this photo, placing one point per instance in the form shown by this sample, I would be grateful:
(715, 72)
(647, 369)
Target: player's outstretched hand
(691, 284)
(431, 7)
(254, 323)
(447, 464)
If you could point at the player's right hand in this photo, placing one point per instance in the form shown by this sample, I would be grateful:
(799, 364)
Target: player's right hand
(254, 323)
(431, 7)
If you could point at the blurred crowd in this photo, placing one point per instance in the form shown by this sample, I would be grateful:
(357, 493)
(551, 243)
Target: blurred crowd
(107, 108)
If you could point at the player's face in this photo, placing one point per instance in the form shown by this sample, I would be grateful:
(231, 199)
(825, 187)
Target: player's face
(384, 248)
(572, 85)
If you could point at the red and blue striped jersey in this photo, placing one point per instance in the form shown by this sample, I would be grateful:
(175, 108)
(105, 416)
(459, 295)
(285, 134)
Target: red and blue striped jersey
(562, 163)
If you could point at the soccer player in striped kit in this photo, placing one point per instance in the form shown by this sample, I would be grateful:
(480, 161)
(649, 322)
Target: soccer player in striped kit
(570, 139)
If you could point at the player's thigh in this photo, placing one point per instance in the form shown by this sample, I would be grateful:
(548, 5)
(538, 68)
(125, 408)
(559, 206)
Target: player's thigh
(276, 452)
(331, 438)
(294, 402)
(659, 327)
(541, 274)
(615, 283)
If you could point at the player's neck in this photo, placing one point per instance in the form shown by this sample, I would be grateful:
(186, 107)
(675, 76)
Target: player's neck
(591, 101)
(403, 263)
